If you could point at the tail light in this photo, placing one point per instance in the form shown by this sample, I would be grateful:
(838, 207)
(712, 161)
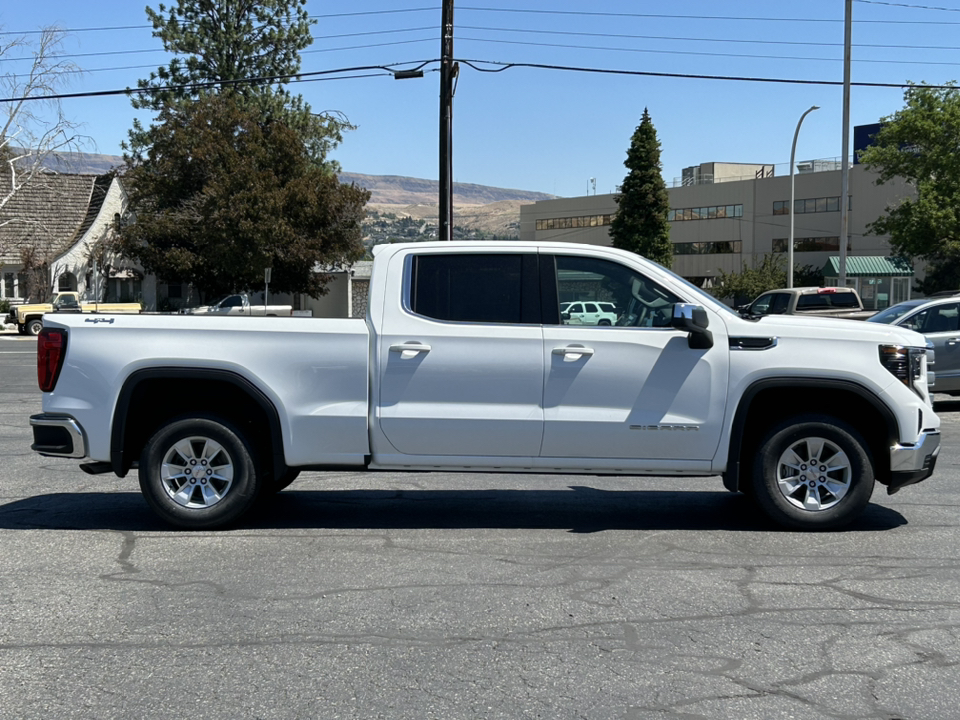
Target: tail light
(51, 349)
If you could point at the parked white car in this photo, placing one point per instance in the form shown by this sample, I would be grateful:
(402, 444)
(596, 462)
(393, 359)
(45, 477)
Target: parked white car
(589, 313)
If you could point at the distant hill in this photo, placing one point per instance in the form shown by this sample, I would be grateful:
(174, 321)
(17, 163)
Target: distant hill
(398, 190)
(83, 163)
(478, 208)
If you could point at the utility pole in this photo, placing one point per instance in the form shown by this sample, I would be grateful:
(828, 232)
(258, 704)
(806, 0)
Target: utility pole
(845, 161)
(448, 74)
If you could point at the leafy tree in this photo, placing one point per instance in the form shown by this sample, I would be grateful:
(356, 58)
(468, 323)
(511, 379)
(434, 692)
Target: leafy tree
(251, 47)
(744, 286)
(640, 225)
(807, 276)
(770, 274)
(919, 144)
(224, 192)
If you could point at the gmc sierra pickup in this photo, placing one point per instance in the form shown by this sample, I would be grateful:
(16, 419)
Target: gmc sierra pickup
(465, 362)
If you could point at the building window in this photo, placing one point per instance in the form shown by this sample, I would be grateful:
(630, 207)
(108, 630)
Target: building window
(707, 248)
(569, 223)
(67, 282)
(809, 244)
(705, 213)
(810, 205)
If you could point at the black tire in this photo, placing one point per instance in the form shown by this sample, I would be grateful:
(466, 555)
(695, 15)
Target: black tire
(603, 322)
(33, 327)
(228, 484)
(285, 480)
(799, 494)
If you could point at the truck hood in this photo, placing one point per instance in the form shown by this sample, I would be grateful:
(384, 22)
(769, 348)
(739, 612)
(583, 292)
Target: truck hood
(825, 328)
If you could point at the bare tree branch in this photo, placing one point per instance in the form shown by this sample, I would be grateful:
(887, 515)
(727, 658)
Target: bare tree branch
(33, 132)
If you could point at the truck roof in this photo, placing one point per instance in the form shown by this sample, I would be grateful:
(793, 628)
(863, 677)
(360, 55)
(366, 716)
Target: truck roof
(812, 290)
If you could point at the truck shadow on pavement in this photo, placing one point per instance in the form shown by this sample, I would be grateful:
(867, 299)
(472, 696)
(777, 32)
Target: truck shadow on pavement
(576, 509)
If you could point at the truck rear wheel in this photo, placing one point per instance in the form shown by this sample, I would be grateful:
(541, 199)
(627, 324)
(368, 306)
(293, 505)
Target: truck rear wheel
(198, 473)
(813, 472)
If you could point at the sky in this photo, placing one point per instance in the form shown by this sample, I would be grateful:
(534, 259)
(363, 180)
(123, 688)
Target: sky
(548, 129)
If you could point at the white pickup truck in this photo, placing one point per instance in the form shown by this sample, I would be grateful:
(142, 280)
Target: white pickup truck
(465, 363)
(239, 304)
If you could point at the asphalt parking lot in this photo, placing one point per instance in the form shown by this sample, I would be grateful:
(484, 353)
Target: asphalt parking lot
(408, 595)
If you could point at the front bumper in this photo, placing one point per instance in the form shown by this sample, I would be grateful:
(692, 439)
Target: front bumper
(910, 464)
(57, 436)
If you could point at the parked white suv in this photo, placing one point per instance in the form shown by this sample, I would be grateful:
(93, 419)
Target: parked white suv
(589, 313)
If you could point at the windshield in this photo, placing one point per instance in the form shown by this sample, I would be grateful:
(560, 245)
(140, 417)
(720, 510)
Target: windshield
(895, 312)
(711, 300)
(66, 301)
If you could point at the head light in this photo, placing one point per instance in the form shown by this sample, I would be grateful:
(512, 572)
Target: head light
(908, 365)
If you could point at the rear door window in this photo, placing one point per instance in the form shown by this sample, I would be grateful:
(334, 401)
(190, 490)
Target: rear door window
(481, 288)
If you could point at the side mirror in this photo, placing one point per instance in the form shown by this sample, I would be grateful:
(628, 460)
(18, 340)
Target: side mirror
(694, 320)
(565, 316)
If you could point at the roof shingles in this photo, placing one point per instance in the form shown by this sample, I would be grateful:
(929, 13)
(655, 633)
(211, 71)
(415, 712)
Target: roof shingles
(47, 214)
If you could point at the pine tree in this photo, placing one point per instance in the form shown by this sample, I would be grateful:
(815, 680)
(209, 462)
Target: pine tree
(251, 49)
(640, 225)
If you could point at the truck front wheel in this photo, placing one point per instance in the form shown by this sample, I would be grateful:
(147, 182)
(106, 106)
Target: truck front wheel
(198, 473)
(34, 326)
(285, 480)
(813, 472)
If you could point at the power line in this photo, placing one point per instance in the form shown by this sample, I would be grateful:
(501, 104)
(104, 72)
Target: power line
(661, 16)
(156, 50)
(695, 53)
(565, 33)
(652, 52)
(472, 63)
(701, 39)
(83, 71)
(735, 18)
(689, 76)
(906, 5)
(297, 77)
(150, 27)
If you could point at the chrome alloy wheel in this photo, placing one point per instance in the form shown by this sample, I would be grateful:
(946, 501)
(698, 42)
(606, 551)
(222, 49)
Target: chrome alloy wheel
(197, 472)
(814, 474)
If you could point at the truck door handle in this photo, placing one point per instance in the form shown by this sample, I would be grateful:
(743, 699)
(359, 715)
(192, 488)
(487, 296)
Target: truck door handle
(953, 341)
(409, 350)
(572, 353)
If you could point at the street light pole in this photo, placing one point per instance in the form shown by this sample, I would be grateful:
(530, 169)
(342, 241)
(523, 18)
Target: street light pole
(793, 153)
(845, 160)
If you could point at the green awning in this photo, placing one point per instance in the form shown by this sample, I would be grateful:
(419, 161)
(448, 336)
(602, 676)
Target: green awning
(869, 266)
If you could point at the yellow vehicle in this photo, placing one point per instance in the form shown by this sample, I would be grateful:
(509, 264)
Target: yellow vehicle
(29, 318)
